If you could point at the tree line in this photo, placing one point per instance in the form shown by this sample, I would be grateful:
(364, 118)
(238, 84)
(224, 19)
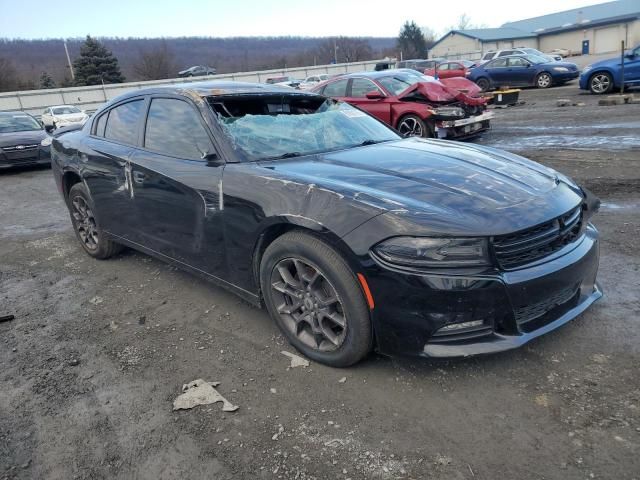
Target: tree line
(33, 64)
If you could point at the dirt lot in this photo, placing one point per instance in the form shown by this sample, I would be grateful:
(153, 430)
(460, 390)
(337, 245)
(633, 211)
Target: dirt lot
(98, 351)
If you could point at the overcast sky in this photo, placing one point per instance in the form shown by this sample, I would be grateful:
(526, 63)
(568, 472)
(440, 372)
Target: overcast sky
(225, 18)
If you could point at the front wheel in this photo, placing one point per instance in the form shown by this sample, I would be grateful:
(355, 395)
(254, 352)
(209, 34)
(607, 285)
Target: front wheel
(544, 80)
(483, 83)
(315, 298)
(414, 126)
(86, 227)
(601, 83)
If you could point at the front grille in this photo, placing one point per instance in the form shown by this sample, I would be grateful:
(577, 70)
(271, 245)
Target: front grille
(533, 311)
(20, 148)
(526, 246)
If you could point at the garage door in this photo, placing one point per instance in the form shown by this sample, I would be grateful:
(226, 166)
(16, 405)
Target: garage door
(607, 40)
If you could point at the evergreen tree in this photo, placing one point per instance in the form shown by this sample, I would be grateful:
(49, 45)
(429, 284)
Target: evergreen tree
(411, 41)
(96, 64)
(46, 81)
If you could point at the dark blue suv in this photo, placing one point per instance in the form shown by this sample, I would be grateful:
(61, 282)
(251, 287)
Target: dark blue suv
(605, 75)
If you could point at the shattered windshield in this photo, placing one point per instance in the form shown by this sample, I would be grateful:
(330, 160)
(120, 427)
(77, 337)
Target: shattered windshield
(282, 126)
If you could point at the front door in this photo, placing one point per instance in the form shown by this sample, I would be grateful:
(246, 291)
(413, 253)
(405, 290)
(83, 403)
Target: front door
(632, 67)
(378, 107)
(520, 71)
(176, 191)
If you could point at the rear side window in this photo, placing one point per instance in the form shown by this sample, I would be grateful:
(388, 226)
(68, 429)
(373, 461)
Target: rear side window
(174, 128)
(443, 66)
(122, 125)
(336, 89)
(489, 56)
(500, 62)
(100, 124)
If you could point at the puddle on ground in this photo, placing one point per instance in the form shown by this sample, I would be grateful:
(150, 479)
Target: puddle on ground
(570, 142)
(620, 205)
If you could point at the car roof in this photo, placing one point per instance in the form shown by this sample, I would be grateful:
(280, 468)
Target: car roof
(59, 106)
(214, 88)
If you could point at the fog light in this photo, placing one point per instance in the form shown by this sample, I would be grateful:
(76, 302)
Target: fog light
(460, 326)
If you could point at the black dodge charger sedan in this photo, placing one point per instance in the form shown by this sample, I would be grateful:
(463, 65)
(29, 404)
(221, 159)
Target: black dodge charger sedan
(352, 237)
(21, 138)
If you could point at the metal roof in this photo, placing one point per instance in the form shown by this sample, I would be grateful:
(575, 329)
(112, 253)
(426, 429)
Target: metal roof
(488, 34)
(577, 17)
(610, 12)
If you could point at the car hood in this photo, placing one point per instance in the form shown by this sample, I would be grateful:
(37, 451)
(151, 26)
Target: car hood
(609, 62)
(21, 138)
(73, 117)
(441, 186)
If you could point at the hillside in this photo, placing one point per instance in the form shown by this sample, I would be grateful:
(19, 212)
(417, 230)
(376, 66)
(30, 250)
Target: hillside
(30, 58)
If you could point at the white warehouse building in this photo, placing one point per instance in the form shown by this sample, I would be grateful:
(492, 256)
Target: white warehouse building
(588, 30)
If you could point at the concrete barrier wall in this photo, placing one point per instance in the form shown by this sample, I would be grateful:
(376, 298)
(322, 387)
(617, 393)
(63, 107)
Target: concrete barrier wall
(90, 98)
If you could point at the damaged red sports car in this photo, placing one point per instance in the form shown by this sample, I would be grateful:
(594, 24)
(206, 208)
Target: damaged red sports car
(414, 104)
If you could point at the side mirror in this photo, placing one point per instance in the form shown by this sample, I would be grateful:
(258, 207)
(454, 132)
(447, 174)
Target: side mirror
(374, 95)
(630, 55)
(212, 159)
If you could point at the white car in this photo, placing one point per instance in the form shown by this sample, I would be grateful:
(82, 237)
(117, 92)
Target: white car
(491, 54)
(563, 52)
(310, 82)
(63, 116)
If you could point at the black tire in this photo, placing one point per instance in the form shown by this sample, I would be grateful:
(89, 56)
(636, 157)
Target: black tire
(87, 230)
(356, 337)
(600, 83)
(544, 80)
(483, 83)
(413, 126)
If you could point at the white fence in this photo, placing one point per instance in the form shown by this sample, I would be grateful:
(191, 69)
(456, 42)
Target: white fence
(90, 98)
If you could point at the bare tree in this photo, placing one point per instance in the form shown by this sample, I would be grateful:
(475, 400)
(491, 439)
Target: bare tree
(155, 64)
(464, 22)
(344, 49)
(8, 77)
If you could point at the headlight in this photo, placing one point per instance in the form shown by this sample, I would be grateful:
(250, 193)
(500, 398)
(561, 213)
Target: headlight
(587, 68)
(46, 141)
(434, 252)
(561, 69)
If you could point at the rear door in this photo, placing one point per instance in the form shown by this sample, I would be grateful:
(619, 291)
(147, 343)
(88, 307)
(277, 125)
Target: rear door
(497, 71)
(105, 165)
(378, 107)
(177, 193)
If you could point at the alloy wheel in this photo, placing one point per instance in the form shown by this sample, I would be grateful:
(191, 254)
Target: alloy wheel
(85, 223)
(410, 127)
(600, 83)
(308, 304)
(544, 80)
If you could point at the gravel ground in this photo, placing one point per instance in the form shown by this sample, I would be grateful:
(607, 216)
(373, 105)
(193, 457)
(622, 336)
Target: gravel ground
(98, 351)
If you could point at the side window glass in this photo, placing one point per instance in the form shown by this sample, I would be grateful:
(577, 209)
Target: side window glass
(122, 124)
(174, 128)
(100, 124)
(443, 66)
(515, 62)
(361, 86)
(500, 62)
(336, 89)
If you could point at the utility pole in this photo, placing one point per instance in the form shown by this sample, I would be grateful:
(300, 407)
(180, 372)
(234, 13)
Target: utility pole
(66, 50)
(622, 67)
(335, 52)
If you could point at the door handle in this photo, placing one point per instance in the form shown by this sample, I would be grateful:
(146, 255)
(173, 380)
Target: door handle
(139, 177)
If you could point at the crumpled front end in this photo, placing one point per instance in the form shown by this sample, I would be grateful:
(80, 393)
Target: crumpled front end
(458, 111)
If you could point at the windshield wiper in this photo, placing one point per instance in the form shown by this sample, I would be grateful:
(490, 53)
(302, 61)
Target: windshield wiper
(370, 142)
(285, 155)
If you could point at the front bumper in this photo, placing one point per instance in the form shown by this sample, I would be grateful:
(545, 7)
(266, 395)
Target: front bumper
(39, 156)
(515, 306)
(561, 77)
(465, 127)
